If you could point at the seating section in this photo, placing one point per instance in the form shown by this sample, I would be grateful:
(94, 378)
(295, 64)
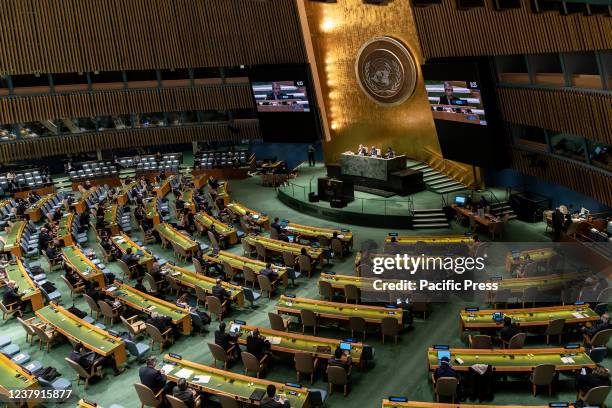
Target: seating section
(29, 241)
(93, 170)
(5, 210)
(213, 159)
(23, 180)
(169, 163)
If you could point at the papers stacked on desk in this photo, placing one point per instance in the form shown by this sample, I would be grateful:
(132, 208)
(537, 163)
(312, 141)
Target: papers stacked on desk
(184, 373)
(274, 340)
(579, 315)
(567, 360)
(201, 379)
(168, 368)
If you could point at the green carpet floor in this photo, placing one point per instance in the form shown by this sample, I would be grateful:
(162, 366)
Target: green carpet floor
(397, 369)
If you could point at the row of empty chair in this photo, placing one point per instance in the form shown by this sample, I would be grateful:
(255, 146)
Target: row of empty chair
(206, 160)
(93, 170)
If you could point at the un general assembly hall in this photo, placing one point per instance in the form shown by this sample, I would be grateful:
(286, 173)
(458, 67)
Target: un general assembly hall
(305, 203)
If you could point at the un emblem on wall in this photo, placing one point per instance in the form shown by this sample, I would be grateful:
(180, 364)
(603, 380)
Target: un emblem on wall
(386, 71)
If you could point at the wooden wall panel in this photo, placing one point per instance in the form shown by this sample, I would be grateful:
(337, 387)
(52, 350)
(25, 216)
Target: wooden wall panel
(35, 108)
(51, 36)
(71, 144)
(590, 182)
(588, 114)
(445, 31)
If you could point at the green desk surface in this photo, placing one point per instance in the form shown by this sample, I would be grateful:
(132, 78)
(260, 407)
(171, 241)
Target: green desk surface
(342, 311)
(435, 239)
(514, 360)
(340, 281)
(419, 404)
(78, 329)
(281, 246)
(539, 316)
(173, 235)
(535, 255)
(80, 261)
(110, 215)
(207, 220)
(123, 243)
(13, 376)
(65, 225)
(296, 343)
(241, 209)
(239, 262)
(543, 282)
(14, 235)
(314, 232)
(207, 283)
(151, 208)
(15, 272)
(150, 303)
(228, 383)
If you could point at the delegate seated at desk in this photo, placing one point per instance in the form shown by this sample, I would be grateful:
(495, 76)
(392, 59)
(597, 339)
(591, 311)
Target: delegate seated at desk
(375, 152)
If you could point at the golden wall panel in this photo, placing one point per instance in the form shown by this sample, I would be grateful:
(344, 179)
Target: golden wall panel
(446, 31)
(579, 178)
(587, 114)
(71, 144)
(338, 31)
(52, 36)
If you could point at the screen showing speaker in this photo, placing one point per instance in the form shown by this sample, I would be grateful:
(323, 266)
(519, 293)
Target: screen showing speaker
(461, 95)
(281, 96)
(457, 101)
(285, 108)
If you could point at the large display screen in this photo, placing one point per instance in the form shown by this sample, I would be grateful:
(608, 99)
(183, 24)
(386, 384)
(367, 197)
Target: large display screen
(457, 101)
(461, 95)
(286, 111)
(281, 96)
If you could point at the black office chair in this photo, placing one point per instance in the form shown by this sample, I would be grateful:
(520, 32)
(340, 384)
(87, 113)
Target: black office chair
(250, 296)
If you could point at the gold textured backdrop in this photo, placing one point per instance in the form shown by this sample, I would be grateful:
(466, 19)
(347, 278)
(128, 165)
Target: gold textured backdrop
(338, 30)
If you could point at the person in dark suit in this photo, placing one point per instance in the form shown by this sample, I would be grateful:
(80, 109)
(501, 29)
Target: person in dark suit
(153, 378)
(140, 286)
(276, 93)
(129, 258)
(276, 225)
(224, 339)
(52, 253)
(602, 324)
(509, 330)
(44, 238)
(271, 400)
(257, 344)
(90, 360)
(448, 98)
(162, 323)
(445, 369)
(557, 224)
(184, 393)
(311, 156)
(220, 292)
(57, 214)
(11, 297)
(341, 359)
(390, 153)
(268, 272)
(597, 377)
(96, 294)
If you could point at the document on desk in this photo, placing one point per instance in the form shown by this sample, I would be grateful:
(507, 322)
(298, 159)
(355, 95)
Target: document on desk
(184, 373)
(168, 368)
(567, 360)
(274, 340)
(201, 379)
